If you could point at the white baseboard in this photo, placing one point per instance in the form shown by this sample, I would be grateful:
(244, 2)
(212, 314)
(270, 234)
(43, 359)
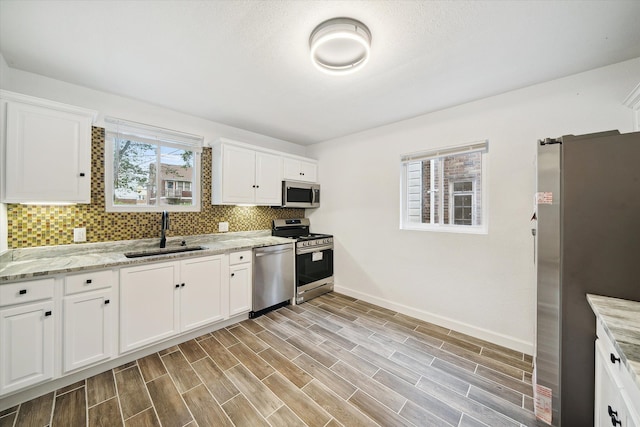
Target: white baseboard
(474, 331)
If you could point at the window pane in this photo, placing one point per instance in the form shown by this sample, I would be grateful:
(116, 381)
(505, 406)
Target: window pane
(176, 169)
(133, 174)
(463, 186)
(444, 190)
(463, 175)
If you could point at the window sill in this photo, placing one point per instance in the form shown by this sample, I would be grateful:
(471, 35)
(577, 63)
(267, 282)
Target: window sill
(171, 208)
(445, 229)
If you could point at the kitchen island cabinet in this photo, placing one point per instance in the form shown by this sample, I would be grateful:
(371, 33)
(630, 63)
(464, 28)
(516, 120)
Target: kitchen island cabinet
(617, 370)
(613, 406)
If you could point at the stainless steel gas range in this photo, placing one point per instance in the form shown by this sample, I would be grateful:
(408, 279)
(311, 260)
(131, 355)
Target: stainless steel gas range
(314, 257)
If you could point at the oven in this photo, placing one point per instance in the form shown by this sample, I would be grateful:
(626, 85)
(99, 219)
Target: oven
(313, 260)
(314, 268)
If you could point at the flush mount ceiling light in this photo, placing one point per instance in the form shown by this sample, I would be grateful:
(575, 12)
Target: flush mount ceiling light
(340, 45)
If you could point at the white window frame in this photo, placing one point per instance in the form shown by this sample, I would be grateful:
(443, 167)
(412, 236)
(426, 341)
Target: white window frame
(407, 159)
(118, 129)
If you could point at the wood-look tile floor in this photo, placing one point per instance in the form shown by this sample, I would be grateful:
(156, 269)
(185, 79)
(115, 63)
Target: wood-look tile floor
(329, 362)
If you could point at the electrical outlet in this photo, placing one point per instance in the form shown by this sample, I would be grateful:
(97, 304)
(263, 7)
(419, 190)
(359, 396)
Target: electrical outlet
(223, 227)
(79, 235)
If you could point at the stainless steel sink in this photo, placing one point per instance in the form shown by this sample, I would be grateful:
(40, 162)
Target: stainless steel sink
(164, 251)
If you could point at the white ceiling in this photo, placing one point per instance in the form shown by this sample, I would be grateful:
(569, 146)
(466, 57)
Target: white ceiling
(246, 63)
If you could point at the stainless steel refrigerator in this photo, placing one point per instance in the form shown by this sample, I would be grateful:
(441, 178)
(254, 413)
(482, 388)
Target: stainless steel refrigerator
(588, 241)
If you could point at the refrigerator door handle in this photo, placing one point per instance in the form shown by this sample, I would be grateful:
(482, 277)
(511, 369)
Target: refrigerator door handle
(533, 233)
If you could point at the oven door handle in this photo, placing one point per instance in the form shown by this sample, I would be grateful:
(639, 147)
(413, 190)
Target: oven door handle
(313, 249)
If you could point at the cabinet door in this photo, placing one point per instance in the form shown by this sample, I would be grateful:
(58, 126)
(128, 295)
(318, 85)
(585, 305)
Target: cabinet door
(88, 329)
(268, 179)
(148, 304)
(201, 292)
(238, 175)
(240, 277)
(607, 392)
(26, 345)
(309, 171)
(48, 155)
(291, 169)
(299, 170)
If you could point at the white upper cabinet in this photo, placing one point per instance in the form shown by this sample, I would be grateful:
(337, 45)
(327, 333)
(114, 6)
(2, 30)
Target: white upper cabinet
(268, 179)
(47, 151)
(243, 175)
(300, 170)
(238, 179)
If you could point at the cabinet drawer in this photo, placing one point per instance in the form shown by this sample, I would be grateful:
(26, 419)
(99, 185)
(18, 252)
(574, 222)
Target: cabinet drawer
(610, 354)
(33, 290)
(239, 257)
(88, 281)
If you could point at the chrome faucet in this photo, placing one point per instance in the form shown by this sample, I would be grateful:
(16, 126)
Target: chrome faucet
(163, 228)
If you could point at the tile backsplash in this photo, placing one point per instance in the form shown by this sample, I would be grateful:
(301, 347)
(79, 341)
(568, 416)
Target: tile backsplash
(35, 225)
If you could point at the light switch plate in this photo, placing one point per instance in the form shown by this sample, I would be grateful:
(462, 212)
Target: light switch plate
(223, 226)
(79, 235)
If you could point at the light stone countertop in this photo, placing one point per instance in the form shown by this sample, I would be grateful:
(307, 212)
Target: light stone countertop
(19, 264)
(621, 321)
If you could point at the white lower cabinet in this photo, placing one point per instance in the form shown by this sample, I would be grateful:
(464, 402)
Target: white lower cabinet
(239, 289)
(201, 292)
(240, 282)
(106, 313)
(27, 340)
(158, 301)
(148, 304)
(88, 328)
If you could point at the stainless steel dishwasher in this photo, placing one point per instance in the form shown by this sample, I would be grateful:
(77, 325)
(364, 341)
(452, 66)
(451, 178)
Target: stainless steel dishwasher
(273, 278)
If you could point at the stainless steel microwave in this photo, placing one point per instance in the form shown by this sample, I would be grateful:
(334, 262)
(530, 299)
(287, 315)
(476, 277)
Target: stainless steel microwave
(300, 194)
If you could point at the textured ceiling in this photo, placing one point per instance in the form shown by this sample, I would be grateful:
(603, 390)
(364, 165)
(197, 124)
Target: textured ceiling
(246, 63)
